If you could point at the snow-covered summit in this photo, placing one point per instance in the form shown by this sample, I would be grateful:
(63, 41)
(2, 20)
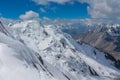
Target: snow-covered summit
(60, 50)
(18, 62)
(114, 29)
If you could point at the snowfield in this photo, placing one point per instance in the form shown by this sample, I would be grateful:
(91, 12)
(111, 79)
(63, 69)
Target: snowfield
(43, 52)
(18, 62)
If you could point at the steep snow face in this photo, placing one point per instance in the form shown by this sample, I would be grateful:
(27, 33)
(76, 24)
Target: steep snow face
(18, 62)
(15, 61)
(6, 21)
(60, 50)
(4, 30)
(12, 68)
(99, 61)
(55, 48)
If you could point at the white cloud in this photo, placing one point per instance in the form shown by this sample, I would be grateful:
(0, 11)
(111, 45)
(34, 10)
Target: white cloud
(42, 10)
(103, 8)
(97, 8)
(29, 15)
(45, 2)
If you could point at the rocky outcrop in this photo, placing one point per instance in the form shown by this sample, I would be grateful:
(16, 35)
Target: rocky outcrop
(104, 41)
(4, 30)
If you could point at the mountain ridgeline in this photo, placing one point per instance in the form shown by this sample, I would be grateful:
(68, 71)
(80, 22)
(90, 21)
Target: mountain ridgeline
(106, 38)
(34, 51)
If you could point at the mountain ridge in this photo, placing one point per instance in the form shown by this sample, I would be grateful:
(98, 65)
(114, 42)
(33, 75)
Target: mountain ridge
(54, 44)
(54, 54)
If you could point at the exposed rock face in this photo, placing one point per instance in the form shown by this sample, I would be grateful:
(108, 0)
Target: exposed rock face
(4, 30)
(106, 39)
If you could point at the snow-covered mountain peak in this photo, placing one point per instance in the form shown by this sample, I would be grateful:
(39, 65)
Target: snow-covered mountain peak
(113, 30)
(60, 50)
(18, 62)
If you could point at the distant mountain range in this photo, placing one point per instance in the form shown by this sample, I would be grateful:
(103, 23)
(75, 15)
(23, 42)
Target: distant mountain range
(105, 38)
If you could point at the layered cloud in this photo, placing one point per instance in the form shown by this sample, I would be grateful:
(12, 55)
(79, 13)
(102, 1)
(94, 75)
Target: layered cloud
(29, 15)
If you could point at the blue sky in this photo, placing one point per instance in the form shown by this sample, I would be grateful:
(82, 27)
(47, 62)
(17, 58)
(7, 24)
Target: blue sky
(62, 9)
(14, 8)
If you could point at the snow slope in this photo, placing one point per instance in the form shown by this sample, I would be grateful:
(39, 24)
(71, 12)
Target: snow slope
(18, 62)
(13, 61)
(60, 50)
